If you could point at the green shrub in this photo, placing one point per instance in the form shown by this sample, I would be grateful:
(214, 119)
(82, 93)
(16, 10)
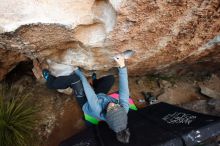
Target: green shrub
(17, 117)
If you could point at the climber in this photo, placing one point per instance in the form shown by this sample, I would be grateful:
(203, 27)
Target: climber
(105, 107)
(95, 102)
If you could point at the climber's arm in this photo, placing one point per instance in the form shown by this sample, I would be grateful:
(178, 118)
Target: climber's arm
(90, 93)
(123, 82)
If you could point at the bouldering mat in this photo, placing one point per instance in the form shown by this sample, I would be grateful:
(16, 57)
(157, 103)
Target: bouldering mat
(160, 124)
(143, 133)
(87, 137)
(191, 126)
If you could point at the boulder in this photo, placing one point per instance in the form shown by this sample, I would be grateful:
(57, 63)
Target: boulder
(168, 36)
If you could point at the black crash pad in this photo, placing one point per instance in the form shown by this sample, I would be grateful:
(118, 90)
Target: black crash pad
(87, 137)
(156, 125)
(143, 133)
(192, 127)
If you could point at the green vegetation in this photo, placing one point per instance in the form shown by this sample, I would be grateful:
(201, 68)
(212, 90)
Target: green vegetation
(17, 117)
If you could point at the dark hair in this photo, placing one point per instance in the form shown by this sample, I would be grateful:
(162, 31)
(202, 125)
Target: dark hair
(123, 136)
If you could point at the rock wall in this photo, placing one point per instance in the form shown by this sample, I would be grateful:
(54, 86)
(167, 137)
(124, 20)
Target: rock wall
(169, 36)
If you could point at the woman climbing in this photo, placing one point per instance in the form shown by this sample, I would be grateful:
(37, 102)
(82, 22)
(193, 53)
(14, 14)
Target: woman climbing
(94, 100)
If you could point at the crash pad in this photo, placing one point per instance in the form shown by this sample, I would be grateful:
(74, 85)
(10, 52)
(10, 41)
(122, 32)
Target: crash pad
(143, 133)
(87, 137)
(191, 126)
(160, 124)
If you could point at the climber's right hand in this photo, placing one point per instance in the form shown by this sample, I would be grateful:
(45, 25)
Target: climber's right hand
(120, 60)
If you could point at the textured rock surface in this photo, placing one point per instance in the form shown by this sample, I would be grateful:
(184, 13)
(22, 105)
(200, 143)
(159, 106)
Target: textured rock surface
(59, 115)
(166, 33)
(180, 93)
(211, 88)
(168, 36)
(210, 107)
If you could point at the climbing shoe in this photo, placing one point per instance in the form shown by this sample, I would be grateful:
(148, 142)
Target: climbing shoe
(94, 76)
(45, 73)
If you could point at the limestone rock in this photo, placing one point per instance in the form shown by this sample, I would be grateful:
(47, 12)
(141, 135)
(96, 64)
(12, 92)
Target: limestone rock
(215, 104)
(211, 88)
(210, 107)
(67, 12)
(182, 92)
(200, 106)
(8, 61)
(165, 84)
(168, 36)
